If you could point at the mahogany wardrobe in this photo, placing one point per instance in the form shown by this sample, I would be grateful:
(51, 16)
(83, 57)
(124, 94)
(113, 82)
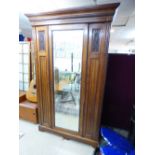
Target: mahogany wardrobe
(71, 49)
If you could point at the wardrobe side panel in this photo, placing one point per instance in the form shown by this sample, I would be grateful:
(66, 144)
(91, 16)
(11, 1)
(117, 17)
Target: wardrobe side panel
(96, 73)
(43, 76)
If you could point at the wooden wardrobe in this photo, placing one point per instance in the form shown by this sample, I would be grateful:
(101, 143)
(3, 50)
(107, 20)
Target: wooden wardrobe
(71, 56)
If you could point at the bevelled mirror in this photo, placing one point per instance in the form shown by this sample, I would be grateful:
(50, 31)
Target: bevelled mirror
(67, 64)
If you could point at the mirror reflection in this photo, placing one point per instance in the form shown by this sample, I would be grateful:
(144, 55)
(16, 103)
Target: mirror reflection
(67, 60)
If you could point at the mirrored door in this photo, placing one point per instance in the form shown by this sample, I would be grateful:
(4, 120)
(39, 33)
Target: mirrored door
(67, 57)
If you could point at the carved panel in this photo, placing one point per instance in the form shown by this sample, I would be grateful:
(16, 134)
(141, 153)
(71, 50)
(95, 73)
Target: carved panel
(45, 102)
(91, 96)
(95, 80)
(95, 40)
(41, 40)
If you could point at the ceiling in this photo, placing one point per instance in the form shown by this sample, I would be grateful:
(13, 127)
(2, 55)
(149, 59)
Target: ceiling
(123, 26)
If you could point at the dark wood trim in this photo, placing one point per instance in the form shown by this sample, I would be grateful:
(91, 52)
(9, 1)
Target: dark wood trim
(66, 130)
(96, 75)
(83, 27)
(100, 13)
(51, 78)
(43, 79)
(73, 21)
(82, 10)
(105, 62)
(70, 136)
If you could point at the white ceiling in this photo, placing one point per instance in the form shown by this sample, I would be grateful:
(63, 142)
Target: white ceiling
(34, 6)
(123, 26)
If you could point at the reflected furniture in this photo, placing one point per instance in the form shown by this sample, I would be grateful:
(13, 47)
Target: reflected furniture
(72, 40)
(66, 79)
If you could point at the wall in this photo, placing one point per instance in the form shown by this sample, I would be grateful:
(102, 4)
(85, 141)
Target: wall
(25, 27)
(119, 91)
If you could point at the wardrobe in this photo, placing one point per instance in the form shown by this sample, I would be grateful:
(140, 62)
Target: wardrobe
(71, 49)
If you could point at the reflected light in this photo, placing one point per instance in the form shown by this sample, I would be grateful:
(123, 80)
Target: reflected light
(112, 30)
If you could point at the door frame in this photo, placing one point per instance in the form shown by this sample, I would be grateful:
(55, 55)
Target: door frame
(83, 27)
